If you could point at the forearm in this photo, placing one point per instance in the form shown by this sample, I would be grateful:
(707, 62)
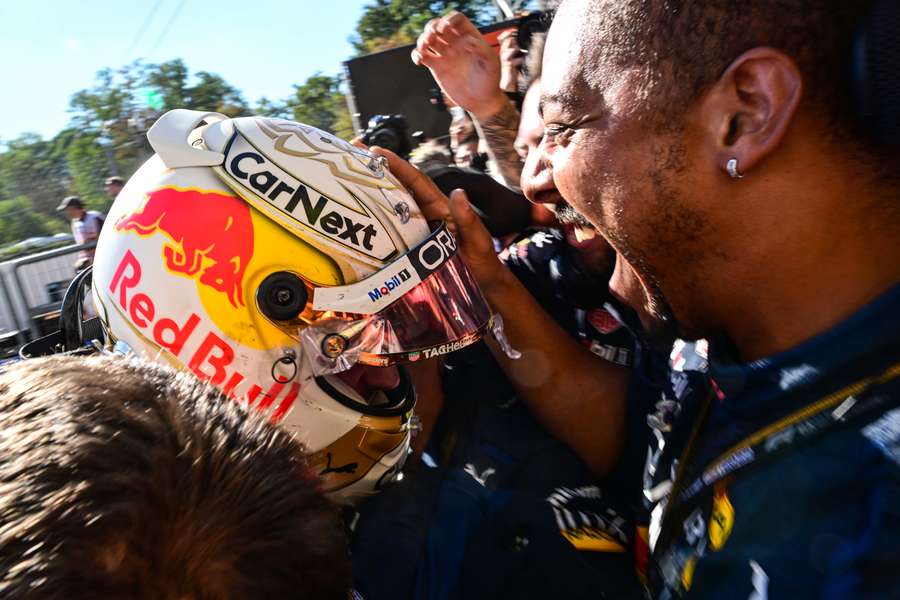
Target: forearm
(498, 129)
(577, 396)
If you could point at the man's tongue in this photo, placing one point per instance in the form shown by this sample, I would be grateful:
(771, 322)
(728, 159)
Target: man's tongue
(365, 379)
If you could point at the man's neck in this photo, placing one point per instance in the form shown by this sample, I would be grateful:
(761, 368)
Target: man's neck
(806, 282)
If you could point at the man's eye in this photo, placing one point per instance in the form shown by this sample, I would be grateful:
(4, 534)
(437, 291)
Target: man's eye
(557, 131)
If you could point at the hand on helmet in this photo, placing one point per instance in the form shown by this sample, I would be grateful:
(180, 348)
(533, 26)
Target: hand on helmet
(475, 243)
(463, 64)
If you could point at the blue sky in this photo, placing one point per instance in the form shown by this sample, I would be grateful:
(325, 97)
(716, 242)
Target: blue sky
(50, 49)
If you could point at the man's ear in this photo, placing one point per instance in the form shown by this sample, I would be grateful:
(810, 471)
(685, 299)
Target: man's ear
(753, 103)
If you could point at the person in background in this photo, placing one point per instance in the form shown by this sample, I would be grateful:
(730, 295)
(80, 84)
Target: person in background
(493, 114)
(511, 61)
(431, 154)
(113, 185)
(464, 142)
(86, 225)
(124, 479)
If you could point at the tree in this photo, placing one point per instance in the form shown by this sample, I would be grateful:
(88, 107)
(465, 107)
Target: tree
(170, 79)
(107, 135)
(89, 166)
(109, 122)
(272, 108)
(390, 23)
(212, 93)
(19, 221)
(36, 170)
(110, 102)
(319, 102)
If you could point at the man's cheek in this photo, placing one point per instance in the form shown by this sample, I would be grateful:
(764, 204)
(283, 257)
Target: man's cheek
(576, 180)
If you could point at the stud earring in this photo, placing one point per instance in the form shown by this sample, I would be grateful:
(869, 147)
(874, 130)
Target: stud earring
(732, 168)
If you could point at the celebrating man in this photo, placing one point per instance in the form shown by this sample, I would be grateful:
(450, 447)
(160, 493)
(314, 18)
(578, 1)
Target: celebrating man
(715, 146)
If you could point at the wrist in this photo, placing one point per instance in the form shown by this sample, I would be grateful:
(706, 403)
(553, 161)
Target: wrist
(496, 282)
(492, 107)
(508, 80)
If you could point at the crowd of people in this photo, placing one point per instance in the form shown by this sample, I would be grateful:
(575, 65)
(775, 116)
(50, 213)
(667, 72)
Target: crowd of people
(669, 368)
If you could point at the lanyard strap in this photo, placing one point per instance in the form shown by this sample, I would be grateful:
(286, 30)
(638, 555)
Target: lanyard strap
(842, 407)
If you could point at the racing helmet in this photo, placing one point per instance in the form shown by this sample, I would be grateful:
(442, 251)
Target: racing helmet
(276, 261)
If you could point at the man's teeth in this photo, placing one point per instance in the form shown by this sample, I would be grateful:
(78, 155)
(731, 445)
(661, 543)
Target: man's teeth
(583, 234)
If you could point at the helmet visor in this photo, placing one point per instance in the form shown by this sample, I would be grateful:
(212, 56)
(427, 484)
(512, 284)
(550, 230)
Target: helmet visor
(424, 304)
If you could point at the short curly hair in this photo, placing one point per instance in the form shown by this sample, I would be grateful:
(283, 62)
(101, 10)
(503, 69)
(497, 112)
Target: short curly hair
(124, 479)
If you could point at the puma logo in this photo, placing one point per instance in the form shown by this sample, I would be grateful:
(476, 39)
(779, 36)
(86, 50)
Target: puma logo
(348, 468)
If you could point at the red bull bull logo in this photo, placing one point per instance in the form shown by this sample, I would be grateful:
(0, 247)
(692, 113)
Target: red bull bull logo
(210, 233)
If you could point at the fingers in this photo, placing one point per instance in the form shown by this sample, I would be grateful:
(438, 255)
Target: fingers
(436, 41)
(509, 46)
(442, 37)
(474, 239)
(422, 54)
(358, 142)
(461, 23)
(431, 201)
(444, 30)
(475, 243)
(433, 40)
(507, 34)
(509, 39)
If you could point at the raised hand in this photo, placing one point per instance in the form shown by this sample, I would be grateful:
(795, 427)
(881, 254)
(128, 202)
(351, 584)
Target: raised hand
(511, 59)
(462, 63)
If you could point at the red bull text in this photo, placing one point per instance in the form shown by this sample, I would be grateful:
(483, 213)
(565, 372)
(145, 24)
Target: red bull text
(211, 236)
(213, 358)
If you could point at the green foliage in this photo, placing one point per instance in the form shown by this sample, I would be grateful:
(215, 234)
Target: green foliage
(272, 108)
(110, 119)
(387, 24)
(89, 165)
(110, 102)
(36, 170)
(19, 221)
(319, 102)
(210, 92)
(170, 78)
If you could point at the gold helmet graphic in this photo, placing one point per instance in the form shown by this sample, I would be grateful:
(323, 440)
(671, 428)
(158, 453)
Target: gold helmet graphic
(292, 271)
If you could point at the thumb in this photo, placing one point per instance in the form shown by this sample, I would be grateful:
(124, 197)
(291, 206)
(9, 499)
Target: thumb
(474, 240)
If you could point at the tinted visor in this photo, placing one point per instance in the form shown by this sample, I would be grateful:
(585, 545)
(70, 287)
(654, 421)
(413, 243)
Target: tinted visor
(421, 317)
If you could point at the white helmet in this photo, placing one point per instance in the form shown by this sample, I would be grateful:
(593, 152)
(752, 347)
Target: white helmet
(275, 260)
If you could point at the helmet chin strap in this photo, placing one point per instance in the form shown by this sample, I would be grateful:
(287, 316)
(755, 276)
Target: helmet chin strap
(71, 312)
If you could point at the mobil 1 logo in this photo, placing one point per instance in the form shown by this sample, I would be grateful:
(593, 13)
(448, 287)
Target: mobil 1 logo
(354, 227)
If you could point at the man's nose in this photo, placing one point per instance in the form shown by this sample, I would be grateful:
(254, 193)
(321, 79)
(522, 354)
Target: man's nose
(537, 176)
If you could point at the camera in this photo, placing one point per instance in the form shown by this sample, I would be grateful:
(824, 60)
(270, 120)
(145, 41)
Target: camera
(388, 131)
